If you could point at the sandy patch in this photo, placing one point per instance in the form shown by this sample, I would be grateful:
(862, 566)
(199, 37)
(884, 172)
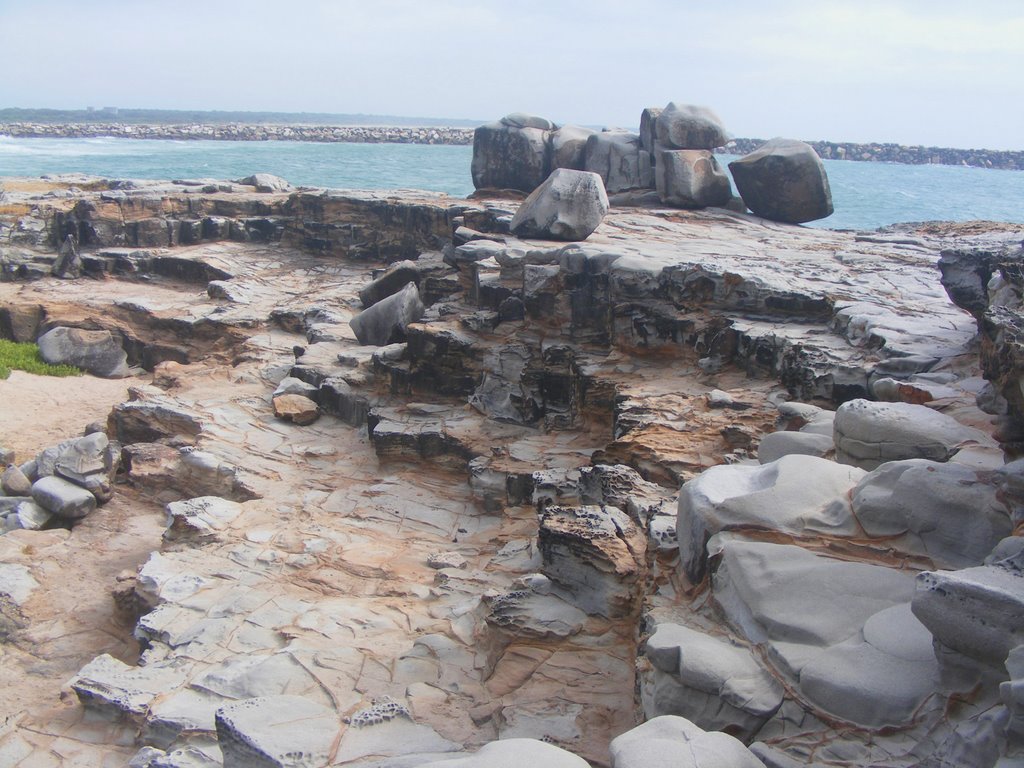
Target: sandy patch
(39, 411)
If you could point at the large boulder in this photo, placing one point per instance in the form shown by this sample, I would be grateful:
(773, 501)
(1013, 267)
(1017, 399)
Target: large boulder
(97, 352)
(977, 611)
(690, 178)
(615, 157)
(795, 494)
(570, 205)
(685, 126)
(948, 512)
(569, 146)
(675, 742)
(869, 433)
(511, 153)
(386, 321)
(783, 180)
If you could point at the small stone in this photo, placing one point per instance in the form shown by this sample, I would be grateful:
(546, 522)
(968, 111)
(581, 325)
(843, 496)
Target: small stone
(440, 560)
(14, 483)
(62, 498)
(296, 409)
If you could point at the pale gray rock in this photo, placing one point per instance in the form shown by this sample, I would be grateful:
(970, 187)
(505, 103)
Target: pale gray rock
(648, 122)
(6, 456)
(948, 512)
(396, 277)
(675, 742)
(661, 533)
(97, 352)
(290, 385)
(229, 290)
(16, 582)
(711, 682)
(28, 516)
(568, 147)
(514, 753)
(439, 560)
(200, 517)
(868, 433)
(787, 595)
(685, 126)
(62, 498)
(690, 178)
(615, 157)
(1012, 692)
(511, 153)
(526, 613)
(112, 686)
(795, 494)
(14, 482)
(1008, 547)
(880, 680)
(978, 612)
(386, 729)
(569, 205)
(385, 322)
(266, 182)
(276, 732)
(778, 444)
(783, 180)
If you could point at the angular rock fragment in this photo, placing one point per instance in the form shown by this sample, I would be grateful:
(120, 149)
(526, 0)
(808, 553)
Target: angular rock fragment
(97, 352)
(200, 517)
(69, 263)
(596, 553)
(691, 178)
(266, 182)
(396, 277)
(62, 498)
(569, 205)
(297, 409)
(615, 157)
(276, 732)
(783, 180)
(685, 126)
(13, 482)
(385, 322)
(110, 685)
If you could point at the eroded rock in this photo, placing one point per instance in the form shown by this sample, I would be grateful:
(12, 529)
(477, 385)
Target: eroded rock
(569, 205)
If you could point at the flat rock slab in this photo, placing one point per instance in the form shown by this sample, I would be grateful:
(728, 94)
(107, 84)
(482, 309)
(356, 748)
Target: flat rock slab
(112, 686)
(276, 732)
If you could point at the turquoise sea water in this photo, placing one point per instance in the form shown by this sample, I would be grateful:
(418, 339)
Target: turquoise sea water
(865, 195)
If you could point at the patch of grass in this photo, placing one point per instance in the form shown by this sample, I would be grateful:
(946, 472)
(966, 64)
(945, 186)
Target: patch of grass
(25, 357)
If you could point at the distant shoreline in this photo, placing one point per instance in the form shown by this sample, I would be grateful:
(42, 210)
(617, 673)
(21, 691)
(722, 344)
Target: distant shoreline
(383, 134)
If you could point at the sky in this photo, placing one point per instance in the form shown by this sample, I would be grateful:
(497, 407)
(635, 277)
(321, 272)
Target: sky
(933, 72)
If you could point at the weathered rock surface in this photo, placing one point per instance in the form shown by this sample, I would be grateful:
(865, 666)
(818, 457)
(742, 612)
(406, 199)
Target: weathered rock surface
(783, 180)
(569, 205)
(266, 182)
(685, 126)
(63, 498)
(511, 153)
(97, 352)
(385, 322)
(675, 741)
(615, 157)
(276, 731)
(691, 178)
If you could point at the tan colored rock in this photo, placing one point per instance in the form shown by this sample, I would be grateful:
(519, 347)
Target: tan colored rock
(296, 408)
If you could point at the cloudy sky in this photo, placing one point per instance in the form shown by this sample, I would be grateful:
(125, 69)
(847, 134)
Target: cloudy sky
(932, 72)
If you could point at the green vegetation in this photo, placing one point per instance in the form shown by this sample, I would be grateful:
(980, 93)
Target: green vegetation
(25, 357)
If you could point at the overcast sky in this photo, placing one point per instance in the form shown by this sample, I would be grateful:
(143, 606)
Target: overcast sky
(932, 72)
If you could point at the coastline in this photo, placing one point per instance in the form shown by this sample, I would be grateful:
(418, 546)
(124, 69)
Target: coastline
(873, 152)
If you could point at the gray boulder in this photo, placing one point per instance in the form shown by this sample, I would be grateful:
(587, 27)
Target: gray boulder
(778, 444)
(569, 205)
(13, 482)
(514, 753)
(869, 433)
(569, 146)
(29, 516)
(385, 322)
(949, 512)
(97, 352)
(615, 157)
(709, 681)
(675, 742)
(276, 731)
(795, 494)
(976, 611)
(266, 182)
(648, 136)
(511, 153)
(783, 180)
(64, 499)
(393, 280)
(690, 178)
(685, 126)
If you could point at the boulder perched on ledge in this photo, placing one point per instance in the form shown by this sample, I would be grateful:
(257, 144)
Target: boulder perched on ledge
(685, 126)
(690, 178)
(511, 153)
(783, 180)
(570, 205)
(97, 352)
(386, 320)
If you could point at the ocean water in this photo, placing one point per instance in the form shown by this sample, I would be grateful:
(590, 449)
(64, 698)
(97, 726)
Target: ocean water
(865, 195)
